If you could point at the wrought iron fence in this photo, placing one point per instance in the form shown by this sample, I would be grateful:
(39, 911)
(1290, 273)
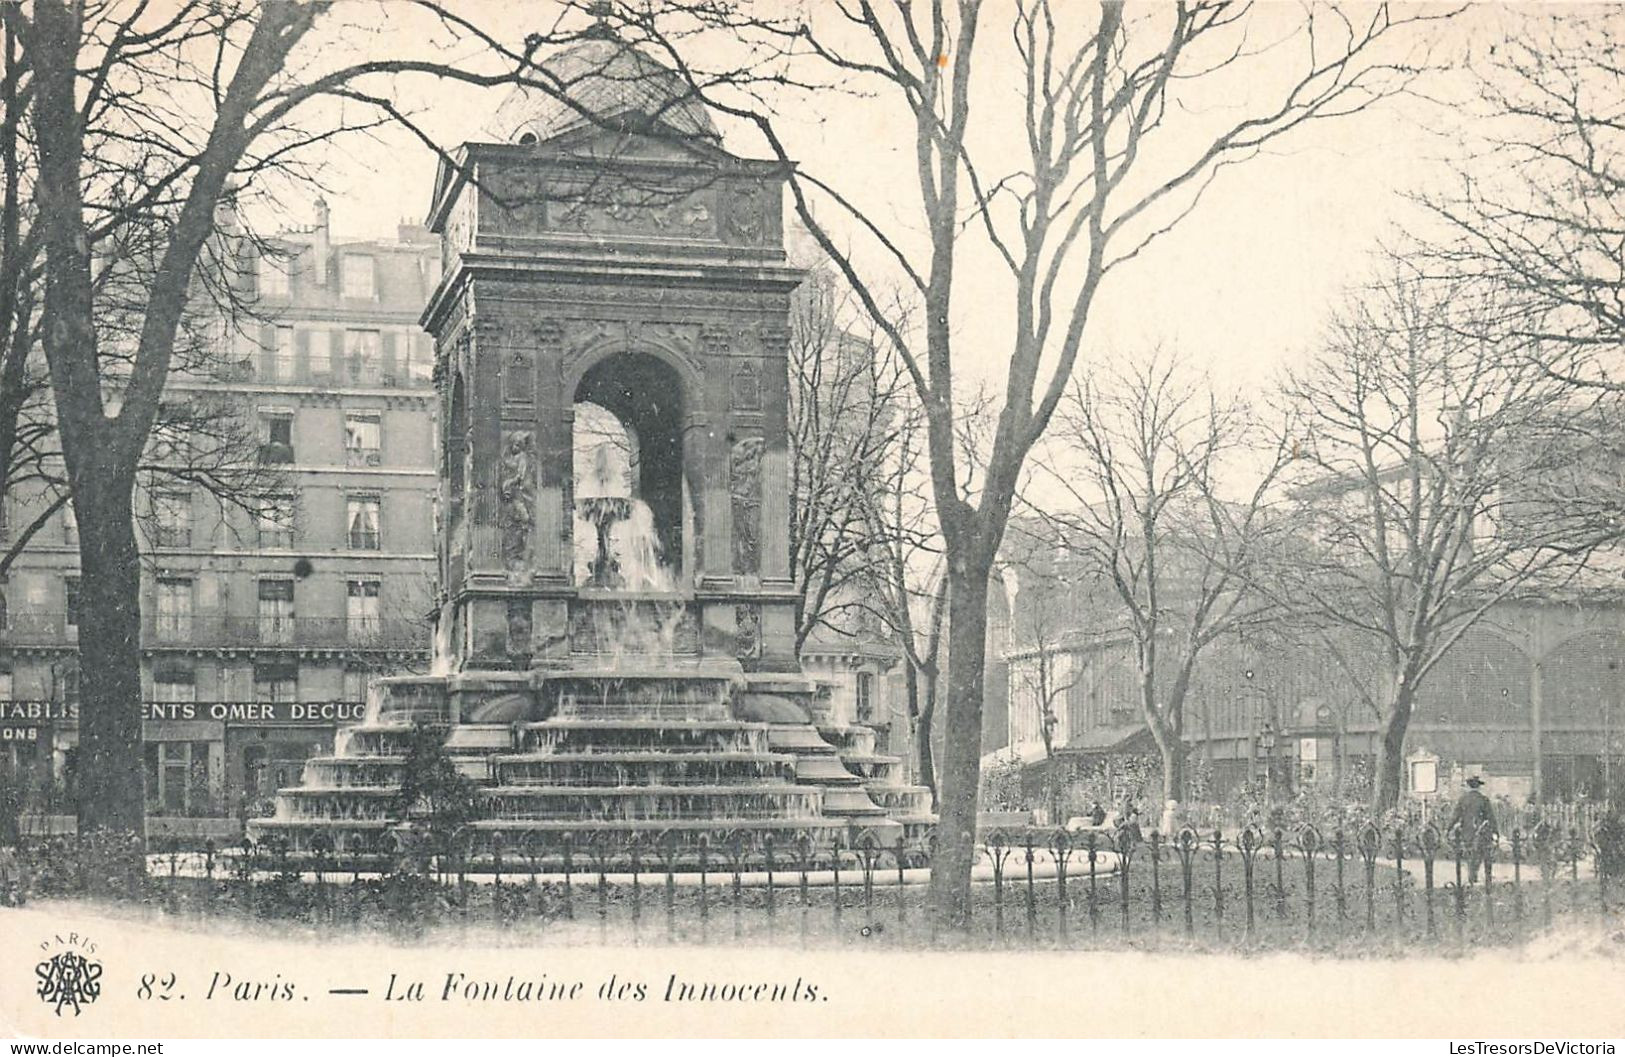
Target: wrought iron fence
(1357, 890)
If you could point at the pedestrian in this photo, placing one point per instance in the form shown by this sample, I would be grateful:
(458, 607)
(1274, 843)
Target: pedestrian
(1097, 815)
(1128, 828)
(1473, 822)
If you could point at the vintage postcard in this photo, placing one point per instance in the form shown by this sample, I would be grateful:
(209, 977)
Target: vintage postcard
(811, 518)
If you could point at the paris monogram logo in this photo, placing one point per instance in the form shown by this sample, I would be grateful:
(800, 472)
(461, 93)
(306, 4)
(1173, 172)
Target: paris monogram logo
(69, 977)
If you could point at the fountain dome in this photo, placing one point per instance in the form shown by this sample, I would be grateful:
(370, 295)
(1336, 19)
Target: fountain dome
(608, 82)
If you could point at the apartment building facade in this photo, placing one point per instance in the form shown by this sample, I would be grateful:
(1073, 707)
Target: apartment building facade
(263, 623)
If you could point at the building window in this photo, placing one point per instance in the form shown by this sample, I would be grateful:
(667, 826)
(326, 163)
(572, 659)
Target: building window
(319, 353)
(276, 435)
(276, 682)
(70, 525)
(361, 607)
(276, 611)
(174, 683)
(361, 517)
(357, 274)
(866, 697)
(70, 600)
(273, 277)
(274, 520)
(174, 608)
(357, 681)
(419, 358)
(282, 356)
(5, 612)
(254, 757)
(5, 683)
(177, 777)
(362, 356)
(172, 519)
(363, 435)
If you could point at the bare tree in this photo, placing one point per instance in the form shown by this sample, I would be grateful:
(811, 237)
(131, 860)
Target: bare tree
(847, 420)
(1440, 472)
(902, 588)
(1043, 669)
(1536, 207)
(1094, 177)
(143, 120)
(1144, 457)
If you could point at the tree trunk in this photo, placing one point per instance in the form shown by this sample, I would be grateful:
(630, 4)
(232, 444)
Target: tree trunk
(1389, 781)
(1052, 796)
(1173, 754)
(962, 746)
(110, 746)
(927, 757)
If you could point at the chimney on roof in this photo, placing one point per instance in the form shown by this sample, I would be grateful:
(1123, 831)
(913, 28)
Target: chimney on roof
(319, 244)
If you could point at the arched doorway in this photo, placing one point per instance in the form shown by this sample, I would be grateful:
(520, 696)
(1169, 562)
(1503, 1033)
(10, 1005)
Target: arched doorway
(630, 498)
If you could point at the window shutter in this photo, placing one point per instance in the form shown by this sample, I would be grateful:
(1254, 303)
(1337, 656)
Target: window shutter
(267, 358)
(389, 364)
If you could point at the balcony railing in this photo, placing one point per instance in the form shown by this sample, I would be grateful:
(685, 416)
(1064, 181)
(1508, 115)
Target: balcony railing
(213, 631)
(38, 629)
(323, 370)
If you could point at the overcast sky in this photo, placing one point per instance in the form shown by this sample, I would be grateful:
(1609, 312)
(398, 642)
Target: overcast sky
(1240, 286)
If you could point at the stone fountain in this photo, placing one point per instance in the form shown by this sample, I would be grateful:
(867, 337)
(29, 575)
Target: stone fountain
(615, 645)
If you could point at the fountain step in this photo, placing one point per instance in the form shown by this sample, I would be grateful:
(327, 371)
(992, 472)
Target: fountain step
(858, 740)
(805, 739)
(583, 723)
(471, 737)
(631, 757)
(675, 713)
(849, 801)
(904, 799)
(721, 825)
(255, 824)
(822, 769)
(635, 768)
(574, 736)
(613, 791)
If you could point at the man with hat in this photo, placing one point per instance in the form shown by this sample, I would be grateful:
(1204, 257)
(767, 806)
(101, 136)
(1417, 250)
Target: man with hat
(1474, 825)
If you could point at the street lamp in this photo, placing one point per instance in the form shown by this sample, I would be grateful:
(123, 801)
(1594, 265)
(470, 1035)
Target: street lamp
(1266, 744)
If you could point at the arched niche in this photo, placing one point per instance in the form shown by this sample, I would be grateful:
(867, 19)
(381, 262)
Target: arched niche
(1583, 681)
(628, 487)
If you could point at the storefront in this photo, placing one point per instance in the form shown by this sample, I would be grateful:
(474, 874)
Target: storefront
(27, 731)
(267, 743)
(202, 760)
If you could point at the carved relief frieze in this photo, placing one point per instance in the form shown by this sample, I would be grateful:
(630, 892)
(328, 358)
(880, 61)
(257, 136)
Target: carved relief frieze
(519, 378)
(745, 492)
(747, 213)
(616, 207)
(674, 299)
(775, 340)
(682, 339)
(747, 387)
(515, 201)
(519, 627)
(517, 488)
(716, 338)
(747, 631)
